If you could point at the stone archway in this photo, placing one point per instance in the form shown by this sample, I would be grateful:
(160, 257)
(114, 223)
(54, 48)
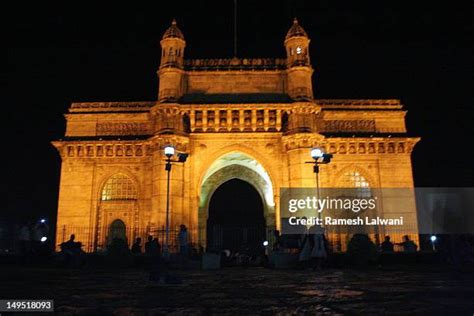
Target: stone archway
(236, 165)
(236, 218)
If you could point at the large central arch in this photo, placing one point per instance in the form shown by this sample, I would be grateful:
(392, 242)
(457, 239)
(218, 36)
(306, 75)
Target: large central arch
(235, 165)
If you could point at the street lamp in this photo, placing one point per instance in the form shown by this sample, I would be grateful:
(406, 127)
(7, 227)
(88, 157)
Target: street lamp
(319, 157)
(316, 153)
(169, 152)
(433, 239)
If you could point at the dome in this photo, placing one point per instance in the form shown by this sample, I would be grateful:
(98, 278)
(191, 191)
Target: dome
(173, 31)
(296, 30)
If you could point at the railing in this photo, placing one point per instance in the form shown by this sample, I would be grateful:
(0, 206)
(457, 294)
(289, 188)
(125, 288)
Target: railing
(236, 64)
(111, 106)
(219, 238)
(91, 242)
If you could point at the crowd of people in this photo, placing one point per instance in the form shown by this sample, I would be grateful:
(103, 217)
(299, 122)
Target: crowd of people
(311, 246)
(154, 248)
(408, 246)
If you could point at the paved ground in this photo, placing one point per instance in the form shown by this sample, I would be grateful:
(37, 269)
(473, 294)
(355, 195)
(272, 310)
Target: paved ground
(246, 291)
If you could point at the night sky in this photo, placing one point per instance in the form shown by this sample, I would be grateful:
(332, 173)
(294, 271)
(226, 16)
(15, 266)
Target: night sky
(417, 51)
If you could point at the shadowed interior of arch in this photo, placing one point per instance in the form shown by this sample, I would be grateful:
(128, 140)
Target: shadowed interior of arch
(236, 218)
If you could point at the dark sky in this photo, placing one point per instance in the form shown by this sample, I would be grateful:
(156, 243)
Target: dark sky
(418, 51)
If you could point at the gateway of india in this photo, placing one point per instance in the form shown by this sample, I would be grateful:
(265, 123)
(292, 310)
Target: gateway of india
(249, 119)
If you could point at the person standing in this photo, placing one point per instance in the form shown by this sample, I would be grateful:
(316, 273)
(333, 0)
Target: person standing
(305, 247)
(137, 246)
(408, 245)
(149, 246)
(183, 244)
(183, 240)
(319, 251)
(387, 245)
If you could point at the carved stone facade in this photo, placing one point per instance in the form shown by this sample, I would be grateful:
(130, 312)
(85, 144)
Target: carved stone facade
(252, 119)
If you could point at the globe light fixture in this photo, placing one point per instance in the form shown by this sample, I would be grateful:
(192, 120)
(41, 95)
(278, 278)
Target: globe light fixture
(316, 153)
(169, 151)
(433, 239)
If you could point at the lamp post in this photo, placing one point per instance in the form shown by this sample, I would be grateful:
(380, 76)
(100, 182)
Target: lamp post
(433, 239)
(169, 152)
(319, 157)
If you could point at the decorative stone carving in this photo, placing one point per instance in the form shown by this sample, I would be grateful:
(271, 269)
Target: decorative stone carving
(78, 150)
(111, 106)
(168, 119)
(349, 126)
(122, 128)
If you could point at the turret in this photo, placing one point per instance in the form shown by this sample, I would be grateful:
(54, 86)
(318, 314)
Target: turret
(298, 62)
(171, 66)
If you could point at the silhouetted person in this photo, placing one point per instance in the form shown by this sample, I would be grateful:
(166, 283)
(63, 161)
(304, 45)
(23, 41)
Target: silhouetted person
(157, 264)
(71, 245)
(319, 251)
(277, 246)
(152, 247)
(71, 250)
(156, 246)
(137, 246)
(183, 240)
(387, 245)
(408, 245)
(148, 245)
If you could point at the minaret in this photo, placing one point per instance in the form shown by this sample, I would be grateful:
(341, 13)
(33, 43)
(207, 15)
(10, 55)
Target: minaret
(299, 66)
(171, 67)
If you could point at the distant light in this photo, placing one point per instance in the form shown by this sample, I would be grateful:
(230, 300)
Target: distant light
(299, 50)
(433, 238)
(316, 153)
(265, 243)
(43, 220)
(169, 151)
(44, 238)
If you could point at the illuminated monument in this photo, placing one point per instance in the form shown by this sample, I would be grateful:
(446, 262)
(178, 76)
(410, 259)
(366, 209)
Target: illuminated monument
(249, 119)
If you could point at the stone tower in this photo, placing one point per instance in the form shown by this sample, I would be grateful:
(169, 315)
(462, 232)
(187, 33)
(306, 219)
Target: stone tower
(171, 71)
(299, 66)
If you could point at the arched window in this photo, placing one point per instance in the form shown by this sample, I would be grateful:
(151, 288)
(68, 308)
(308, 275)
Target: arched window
(119, 187)
(353, 179)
